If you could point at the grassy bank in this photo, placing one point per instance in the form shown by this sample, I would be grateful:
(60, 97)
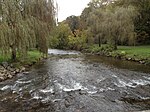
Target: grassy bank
(134, 53)
(8, 68)
(32, 57)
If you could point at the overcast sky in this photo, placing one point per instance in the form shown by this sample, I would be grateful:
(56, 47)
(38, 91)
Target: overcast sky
(70, 7)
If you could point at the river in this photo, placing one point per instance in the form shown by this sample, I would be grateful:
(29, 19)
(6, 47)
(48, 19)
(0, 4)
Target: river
(70, 81)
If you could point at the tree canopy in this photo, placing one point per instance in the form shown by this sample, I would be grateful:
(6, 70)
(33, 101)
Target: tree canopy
(117, 22)
(25, 24)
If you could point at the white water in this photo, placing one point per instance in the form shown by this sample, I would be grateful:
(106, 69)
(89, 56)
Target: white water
(61, 52)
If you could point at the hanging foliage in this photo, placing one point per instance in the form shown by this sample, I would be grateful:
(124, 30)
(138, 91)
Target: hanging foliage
(25, 24)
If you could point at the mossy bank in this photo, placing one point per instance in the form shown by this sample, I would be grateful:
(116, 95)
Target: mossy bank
(8, 69)
(140, 54)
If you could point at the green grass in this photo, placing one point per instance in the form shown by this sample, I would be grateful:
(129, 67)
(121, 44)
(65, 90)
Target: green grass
(139, 51)
(135, 51)
(32, 57)
(4, 58)
(94, 48)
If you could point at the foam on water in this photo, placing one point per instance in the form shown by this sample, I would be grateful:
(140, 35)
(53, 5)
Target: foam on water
(148, 78)
(106, 89)
(47, 90)
(61, 52)
(5, 88)
(92, 92)
(132, 83)
(141, 82)
(23, 82)
(46, 99)
(36, 96)
(122, 83)
(76, 86)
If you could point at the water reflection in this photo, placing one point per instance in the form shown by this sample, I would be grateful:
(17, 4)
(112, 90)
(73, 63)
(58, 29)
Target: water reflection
(122, 64)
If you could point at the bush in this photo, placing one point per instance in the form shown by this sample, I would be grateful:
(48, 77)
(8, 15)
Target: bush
(77, 43)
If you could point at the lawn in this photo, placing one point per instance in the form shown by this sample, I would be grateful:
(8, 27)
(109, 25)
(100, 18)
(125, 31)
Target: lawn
(129, 52)
(4, 58)
(32, 56)
(136, 51)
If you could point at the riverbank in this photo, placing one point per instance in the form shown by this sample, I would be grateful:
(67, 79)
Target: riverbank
(140, 54)
(87, 83)
(9, 69)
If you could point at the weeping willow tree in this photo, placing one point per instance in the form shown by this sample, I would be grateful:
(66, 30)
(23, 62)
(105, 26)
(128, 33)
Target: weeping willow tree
(114, 24)
(25, 24)
(118, 25)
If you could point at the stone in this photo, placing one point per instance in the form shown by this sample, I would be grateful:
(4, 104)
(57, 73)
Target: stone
(14, 72)
(5, 71)
(9, 76)
(6, 75)
(2, 78)
(17, 71)
(142, 62)
(2, 74)
(82, 92)
(1, 67)
(129, 58)
(22, 69)
(5, 64)
(10, 69)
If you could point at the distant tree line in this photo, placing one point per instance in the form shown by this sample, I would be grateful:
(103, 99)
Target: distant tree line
(112, 22)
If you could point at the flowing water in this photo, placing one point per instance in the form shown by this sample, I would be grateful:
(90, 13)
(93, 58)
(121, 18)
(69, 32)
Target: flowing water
(72, 82)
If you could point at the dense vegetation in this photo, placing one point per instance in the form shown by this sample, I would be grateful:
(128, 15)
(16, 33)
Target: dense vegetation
(27, 25)
(111, 22)
(24, 25)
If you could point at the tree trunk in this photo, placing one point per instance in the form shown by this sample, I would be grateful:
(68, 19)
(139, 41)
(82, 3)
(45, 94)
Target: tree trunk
(13, 55)
(115, 44)
(115, 47)
(99, 41)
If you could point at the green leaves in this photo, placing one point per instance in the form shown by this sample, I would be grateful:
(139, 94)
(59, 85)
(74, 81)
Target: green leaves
(25, 24)
(59, 36)
(111, 22)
